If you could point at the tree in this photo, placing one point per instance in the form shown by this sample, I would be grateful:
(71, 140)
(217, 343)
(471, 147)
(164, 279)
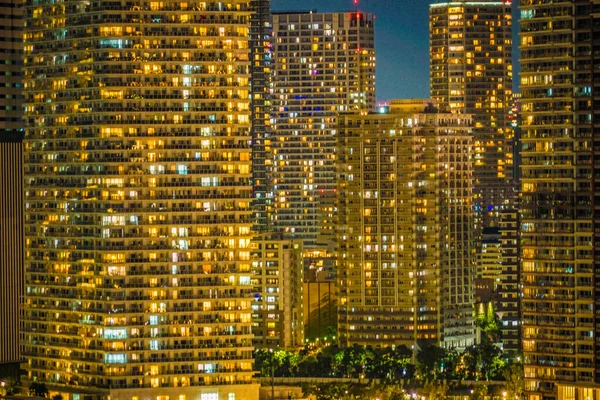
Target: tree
(483, 361)
(286, 363)
(436, 390)
(10, 386)
(387, 392)
(479, 392)
(331, 332)
(350, 363)
(333, 391)
(515, 385)
(429, 361)
(487, 320)
(262, 362)
(390, 364)
(38, 389)
(450, 366)
(308, 367)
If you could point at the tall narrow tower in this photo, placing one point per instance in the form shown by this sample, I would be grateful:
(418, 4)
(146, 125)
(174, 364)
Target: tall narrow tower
(137, 191)
(324, 65)
(560, 238)
(260, 70)
(11, 186)
(471, 73)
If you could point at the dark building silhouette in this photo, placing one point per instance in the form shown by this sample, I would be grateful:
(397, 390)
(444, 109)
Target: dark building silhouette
(260, 71)
(138, 199)
(11, 186)
(560, 199)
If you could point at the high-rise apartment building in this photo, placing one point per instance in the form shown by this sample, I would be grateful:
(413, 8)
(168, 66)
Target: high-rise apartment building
(560, 86)
(507, 290)
(12, 273)
(324, 65)
(405, 228)
(497, 281)
(260, 70)
(489, 258)
(277, 278)
(137, 197)
(471, 73)
(514, 115)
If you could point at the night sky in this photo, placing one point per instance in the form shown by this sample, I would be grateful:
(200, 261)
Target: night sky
(402, 41)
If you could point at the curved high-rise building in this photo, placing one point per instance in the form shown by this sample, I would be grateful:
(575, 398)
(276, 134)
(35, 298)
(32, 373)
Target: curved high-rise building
(137, 196)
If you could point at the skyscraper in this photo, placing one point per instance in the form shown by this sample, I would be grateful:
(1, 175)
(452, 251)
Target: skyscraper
(277, 309)
(137, 192)
(324, 64)
(489, 260)
(12, 274)
(405, 228)
(260, 70)
(560, 87)
(471, 73)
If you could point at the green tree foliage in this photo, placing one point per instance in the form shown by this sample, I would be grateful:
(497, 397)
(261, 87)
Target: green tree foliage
(479, 392)
(10, 386)
(483, 361)
(430, 360)
(355, 391)
(385, 367)
(387, 391)
(334, 391)
(436, 389)
(281, 363)
(514, 377)
(351, 362)
(38, 389)
(390, 364)
(487, 320)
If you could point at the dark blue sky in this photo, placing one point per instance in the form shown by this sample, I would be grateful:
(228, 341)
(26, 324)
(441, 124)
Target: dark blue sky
(402, 41)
